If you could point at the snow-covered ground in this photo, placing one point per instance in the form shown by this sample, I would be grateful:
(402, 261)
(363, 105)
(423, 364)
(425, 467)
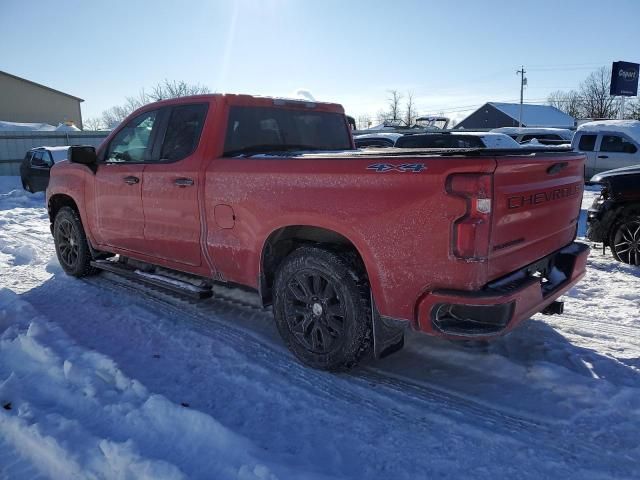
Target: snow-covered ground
(99, 379)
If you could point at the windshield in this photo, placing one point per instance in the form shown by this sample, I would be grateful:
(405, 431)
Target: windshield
(264, 130)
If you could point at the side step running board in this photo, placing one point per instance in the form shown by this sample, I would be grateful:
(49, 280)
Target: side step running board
(176, 286)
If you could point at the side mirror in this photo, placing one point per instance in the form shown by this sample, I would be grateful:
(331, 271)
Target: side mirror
(83, 154)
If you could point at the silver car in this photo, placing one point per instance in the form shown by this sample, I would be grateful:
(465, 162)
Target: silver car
(608, 144)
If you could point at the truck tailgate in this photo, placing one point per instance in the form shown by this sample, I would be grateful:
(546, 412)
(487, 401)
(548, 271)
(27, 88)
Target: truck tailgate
(536, 206)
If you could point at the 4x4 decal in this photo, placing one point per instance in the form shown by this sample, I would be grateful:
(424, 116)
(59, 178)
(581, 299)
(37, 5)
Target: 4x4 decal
(405, 167)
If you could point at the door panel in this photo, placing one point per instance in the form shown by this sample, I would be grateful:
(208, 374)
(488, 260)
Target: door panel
(120, 219)
(170, 188)
(586, 143)
(118, 183)
(172, 216)
(616, 151)
(40, 165)
(590, 164)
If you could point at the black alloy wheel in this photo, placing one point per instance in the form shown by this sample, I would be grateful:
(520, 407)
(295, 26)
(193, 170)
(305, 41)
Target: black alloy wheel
(626, 241)
(322, 307)
(72, 247)
(314, 312)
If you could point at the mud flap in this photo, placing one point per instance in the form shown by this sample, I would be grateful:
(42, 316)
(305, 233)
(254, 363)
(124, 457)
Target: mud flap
(388, 333)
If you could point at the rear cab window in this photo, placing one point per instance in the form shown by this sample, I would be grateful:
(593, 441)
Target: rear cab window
(253, 130)
(617, 144)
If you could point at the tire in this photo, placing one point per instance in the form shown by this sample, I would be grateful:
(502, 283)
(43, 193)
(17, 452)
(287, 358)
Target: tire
(71, 244)
(322, 308)
(27, 186)
(625, 240)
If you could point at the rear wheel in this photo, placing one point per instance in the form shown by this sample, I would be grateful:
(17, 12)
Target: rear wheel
(322, 308)
(625, 240)
(71, 243)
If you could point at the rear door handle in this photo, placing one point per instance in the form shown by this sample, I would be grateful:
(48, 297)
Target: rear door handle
(603, 156)
(183, 182)
(131, 180)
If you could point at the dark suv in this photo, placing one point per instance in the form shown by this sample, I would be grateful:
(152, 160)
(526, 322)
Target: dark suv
(34, 169)
(614, 217)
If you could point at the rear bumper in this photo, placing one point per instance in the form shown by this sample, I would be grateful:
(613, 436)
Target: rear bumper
(503, 304)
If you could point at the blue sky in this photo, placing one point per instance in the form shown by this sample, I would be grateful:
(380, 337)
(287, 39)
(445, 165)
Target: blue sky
(453, 55)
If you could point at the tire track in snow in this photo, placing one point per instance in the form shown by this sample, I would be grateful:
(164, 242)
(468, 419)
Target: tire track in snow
(209, 317)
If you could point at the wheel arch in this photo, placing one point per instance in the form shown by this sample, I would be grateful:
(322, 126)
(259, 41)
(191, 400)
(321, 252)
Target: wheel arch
(57, 201)
(282, 241)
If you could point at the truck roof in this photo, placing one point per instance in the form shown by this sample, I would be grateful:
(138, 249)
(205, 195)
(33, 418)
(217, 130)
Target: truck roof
(253, 101)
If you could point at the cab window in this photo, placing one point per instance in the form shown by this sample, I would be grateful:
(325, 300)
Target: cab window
(617, 144)
(40, 159)
(134, 142)
(183, 131)
(587, 143)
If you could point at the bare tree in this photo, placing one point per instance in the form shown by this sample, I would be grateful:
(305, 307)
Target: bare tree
(363, 122)
(410, 110)
(394, 100)
(93, 124)
(594, 93)
(161, 91)
(175, 89)
(383, 116)
(632, 110)
(567, 102)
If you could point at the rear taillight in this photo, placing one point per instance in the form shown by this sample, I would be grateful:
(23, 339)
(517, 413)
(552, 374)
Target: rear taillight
(470, 238)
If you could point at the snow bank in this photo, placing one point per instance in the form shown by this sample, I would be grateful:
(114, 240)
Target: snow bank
(12, 194)
(29, 127)
(74, 414)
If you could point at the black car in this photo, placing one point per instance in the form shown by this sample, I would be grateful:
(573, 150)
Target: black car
(36, 164)
(614, 217)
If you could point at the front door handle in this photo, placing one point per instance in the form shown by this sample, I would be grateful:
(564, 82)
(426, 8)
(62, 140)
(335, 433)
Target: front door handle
(183, 182)
(131, 180)
(603, 156)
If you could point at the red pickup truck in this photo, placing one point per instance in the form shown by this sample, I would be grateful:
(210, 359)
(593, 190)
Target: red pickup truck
(349, 246)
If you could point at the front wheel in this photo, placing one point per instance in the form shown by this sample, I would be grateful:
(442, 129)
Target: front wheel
(322, 308)
(625, 243)
(71, 243)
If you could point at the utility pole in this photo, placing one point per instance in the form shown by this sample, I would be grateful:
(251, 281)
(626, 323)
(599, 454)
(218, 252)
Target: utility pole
(523, 82)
